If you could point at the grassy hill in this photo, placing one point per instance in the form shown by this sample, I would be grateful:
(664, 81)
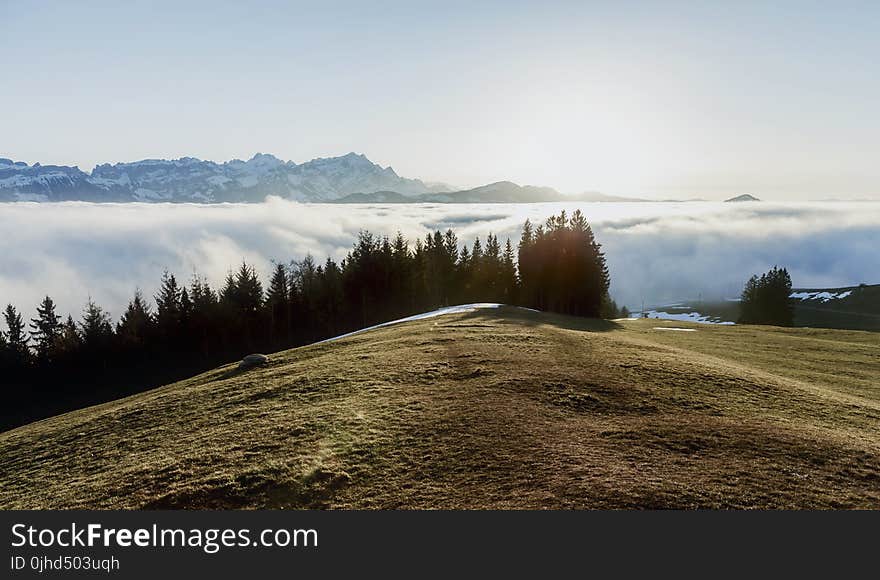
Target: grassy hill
(490, 409)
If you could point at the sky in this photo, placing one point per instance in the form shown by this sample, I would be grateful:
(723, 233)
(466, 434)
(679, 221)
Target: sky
(657, 99)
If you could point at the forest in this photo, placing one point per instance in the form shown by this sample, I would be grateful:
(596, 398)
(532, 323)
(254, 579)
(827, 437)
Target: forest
(52, 363)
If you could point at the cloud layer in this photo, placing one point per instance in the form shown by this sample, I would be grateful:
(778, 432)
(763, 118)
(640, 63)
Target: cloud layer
(657, 252)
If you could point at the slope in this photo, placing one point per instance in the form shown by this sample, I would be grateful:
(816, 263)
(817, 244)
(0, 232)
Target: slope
(501, 408)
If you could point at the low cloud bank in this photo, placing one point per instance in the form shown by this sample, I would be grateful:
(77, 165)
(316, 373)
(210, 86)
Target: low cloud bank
(657, 252)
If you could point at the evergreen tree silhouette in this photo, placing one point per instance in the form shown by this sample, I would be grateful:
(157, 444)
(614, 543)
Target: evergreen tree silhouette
(135, 326)
(509, 282)
(45, 329)
(278, 306)
(16, 339)
(96, 330)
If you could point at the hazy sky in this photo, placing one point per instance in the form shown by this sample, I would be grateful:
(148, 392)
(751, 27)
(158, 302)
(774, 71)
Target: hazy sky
(657, 98)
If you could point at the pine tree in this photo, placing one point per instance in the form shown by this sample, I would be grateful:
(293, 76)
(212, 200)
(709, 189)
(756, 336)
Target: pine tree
(70, 341)
(491, 270)
(168, 305)
(401, 276)
(278, 306)
(528, 274)
(96, 331)
(186, 306)
(136, 323)
(16, 338)
(243, 302)
(509, 284)
(249, 289)
(477, 282)
(45, 329)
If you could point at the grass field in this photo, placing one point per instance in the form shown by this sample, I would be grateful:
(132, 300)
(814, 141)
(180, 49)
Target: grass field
(490, 409)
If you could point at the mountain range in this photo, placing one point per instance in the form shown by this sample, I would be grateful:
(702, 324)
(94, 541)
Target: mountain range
(193, 180)
(350, 178)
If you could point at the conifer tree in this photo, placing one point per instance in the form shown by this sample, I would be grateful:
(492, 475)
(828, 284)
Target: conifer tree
(45, 329)
(508, 275)
(15, 337)
(278, 305)
(136, 323)
(70, 342)
(95, 329)
(168, 305)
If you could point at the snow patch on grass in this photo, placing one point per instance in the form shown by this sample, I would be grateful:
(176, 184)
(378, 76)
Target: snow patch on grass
(685, 316)
(822, 296)
(440, 311)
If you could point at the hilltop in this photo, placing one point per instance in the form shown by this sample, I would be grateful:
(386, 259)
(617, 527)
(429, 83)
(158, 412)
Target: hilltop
(743, 197)
(501, 408)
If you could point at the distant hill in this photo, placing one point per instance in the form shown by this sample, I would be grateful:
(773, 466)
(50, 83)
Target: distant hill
(743, 197)
(473, 410)
(377, 197)
(499, 192)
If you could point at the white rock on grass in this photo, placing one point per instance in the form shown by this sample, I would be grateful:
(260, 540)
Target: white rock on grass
(252, 360)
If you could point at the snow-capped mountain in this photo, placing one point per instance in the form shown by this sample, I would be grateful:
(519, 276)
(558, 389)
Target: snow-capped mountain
(193, 180)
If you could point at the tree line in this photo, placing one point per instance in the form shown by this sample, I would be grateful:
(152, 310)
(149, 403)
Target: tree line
(52, 363)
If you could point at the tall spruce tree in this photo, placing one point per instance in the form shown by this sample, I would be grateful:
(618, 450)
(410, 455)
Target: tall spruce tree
(136, 324)
(45, 329)
(169, 309)
(96, 330)
(16, 339)
(278, 306)
(509, 283)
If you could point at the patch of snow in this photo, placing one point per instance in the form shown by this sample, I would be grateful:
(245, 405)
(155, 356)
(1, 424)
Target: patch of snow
(821, 296)
(675, 328)
(440, 311)
(686, 317)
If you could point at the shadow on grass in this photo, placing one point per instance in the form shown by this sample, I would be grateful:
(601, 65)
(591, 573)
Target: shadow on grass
(529, 318)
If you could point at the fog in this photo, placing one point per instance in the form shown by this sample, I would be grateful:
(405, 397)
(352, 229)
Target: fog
(657, 252)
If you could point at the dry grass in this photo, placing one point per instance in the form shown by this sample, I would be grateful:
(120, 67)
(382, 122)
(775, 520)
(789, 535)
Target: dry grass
(494, 409)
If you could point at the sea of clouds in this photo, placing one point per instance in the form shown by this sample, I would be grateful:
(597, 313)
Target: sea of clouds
(657, 252)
